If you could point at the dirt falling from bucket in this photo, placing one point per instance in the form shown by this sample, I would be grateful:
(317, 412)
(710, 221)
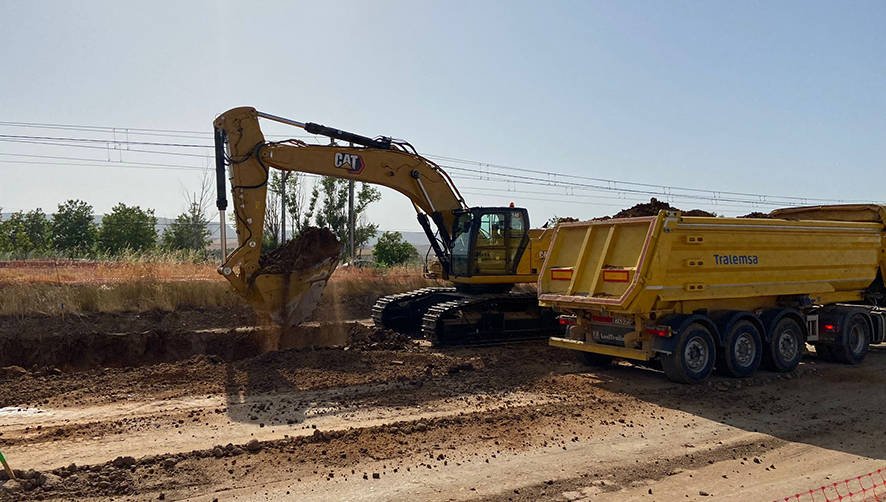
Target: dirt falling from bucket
(312, 246)
(311, 257)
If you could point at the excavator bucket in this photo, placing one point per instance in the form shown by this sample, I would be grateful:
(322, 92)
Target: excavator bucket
(291, 279)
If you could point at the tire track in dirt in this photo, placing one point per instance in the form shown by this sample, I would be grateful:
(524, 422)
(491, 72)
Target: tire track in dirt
(518, 423)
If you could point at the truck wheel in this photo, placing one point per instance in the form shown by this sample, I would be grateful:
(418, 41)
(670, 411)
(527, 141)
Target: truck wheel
(854, 341)
(785, 347)
(592, 359)
(693, 357)
(741, 356)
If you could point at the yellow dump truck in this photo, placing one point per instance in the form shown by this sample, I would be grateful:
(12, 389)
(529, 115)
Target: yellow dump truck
(695, 294)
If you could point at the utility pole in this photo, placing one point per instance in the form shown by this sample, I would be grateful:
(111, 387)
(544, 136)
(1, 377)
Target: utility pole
(353, 252)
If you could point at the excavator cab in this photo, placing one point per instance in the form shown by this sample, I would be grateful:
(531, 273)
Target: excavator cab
(488, 241)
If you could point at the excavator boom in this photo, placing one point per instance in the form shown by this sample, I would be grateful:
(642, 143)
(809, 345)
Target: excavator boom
(241, 146)
(483, 250)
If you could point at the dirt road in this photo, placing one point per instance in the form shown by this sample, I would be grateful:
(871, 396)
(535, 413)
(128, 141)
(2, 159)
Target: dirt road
(354, 423)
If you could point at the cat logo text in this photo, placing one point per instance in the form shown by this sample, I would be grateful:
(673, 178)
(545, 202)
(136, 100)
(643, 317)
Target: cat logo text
(350, 162)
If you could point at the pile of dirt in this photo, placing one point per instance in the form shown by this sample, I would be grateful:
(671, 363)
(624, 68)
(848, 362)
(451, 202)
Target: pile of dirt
(652, 208)
(312, 246)
(371, 338)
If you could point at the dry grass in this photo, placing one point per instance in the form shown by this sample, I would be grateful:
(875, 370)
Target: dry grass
(139, 296)
(390, 280)
(103, 272)
(87, 287)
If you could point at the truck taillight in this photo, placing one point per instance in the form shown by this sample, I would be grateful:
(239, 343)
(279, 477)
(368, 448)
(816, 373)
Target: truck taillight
(830, 328)
(567, 320)
(664, 331)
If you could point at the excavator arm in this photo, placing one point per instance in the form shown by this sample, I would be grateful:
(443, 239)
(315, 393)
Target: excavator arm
(241, 146)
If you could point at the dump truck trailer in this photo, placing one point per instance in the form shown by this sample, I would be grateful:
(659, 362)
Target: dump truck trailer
(695, 294)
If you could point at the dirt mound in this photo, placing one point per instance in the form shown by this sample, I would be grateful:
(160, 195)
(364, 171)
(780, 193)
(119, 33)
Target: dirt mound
(371, 338)
(652, 208)
(311, 247)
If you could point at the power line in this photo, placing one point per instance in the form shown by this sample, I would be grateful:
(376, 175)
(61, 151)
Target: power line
(173, 133)
(715, 197)
(92, 140)
(49, 143)
(56, 157)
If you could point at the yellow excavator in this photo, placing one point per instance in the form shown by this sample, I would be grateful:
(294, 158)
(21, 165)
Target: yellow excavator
(483, 251)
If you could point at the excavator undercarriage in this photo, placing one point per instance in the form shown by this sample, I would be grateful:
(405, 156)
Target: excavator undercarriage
(446, 316)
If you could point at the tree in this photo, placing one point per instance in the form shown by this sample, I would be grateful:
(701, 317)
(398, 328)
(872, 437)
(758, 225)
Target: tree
(332, 195)
(391, 249)
(73, 228)
(270, 236)
(25, 233)
(190, 229)
(288, 188)
(4, 238)
(127, 227)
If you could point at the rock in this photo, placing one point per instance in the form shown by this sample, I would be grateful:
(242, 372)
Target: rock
(29, 474)
(591, 491)
(572, 495)
(218, 451)
(704, 493)
(13, 371)
(253, 446)
(376, 475)
(169, 463)
(12, 486)
(51, 481)
(124, 462)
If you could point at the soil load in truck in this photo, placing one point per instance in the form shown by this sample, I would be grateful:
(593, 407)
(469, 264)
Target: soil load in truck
(693, 294)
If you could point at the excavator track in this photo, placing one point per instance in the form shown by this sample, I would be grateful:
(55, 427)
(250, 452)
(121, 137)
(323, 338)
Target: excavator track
(403, 312)
(488, 320)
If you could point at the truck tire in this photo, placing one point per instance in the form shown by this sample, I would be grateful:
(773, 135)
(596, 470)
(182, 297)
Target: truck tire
(743, 351)
(785, 347)
(592, 359)
(854, 341)
(693, 358)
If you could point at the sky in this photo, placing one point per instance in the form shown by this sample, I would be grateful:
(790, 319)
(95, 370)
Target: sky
(767, 99)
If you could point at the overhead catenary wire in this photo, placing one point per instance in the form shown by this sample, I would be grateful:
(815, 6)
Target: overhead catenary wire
(483, 169)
